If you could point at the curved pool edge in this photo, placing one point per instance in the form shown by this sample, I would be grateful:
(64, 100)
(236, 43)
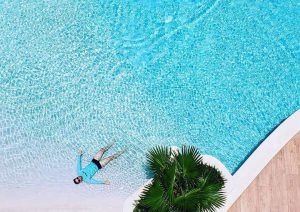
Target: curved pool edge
(262, 156)
(236, 184)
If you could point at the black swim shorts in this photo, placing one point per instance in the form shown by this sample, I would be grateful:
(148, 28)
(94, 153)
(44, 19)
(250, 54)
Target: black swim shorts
(97, 163)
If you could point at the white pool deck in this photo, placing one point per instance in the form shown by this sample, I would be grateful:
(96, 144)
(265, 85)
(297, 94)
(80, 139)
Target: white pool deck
(238, 182)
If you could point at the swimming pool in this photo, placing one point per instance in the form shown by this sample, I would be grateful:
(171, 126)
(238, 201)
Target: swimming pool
(216, 74)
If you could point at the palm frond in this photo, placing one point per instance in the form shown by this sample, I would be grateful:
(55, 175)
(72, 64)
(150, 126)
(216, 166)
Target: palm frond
(157, 159)
(151, 198)
(189, 161)
(208, 199)
(188, 201)
(212, 175)
(181, 183)
(167, 181)
(211, 198)
(211, 184)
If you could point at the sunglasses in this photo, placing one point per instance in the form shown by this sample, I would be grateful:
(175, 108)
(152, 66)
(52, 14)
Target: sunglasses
(77, 180)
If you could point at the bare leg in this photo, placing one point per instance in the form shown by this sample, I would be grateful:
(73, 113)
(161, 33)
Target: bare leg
(105, 161)
(100, 153)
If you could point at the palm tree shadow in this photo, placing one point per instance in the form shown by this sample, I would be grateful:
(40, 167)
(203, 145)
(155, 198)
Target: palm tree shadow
(148, 172)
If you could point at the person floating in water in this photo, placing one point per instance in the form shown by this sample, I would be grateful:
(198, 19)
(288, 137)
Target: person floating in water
(86, 174)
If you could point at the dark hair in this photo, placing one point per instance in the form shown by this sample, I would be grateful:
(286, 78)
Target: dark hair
(76, 180)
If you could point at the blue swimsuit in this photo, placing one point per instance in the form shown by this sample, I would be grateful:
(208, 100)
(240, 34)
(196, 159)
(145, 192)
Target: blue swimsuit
(88, 172)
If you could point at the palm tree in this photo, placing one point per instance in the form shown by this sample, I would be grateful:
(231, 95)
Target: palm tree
(181, 183)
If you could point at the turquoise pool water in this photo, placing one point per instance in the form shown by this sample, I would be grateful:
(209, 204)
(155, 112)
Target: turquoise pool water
(219, 75)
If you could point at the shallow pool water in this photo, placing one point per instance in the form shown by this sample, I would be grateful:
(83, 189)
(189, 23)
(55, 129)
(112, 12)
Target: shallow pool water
(216, 74)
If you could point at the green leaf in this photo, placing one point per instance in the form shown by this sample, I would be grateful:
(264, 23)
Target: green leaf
(189, 161)
(158, 158)
(212, 175)
(188, 201)
(211, 198)
(167, 180)
(152, 198)
(182, 183)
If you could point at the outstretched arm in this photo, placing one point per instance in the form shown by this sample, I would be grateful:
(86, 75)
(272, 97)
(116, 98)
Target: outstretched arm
(79, 167)
(92, 181)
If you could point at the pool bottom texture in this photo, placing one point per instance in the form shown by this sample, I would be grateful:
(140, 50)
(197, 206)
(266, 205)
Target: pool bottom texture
(219, 75)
